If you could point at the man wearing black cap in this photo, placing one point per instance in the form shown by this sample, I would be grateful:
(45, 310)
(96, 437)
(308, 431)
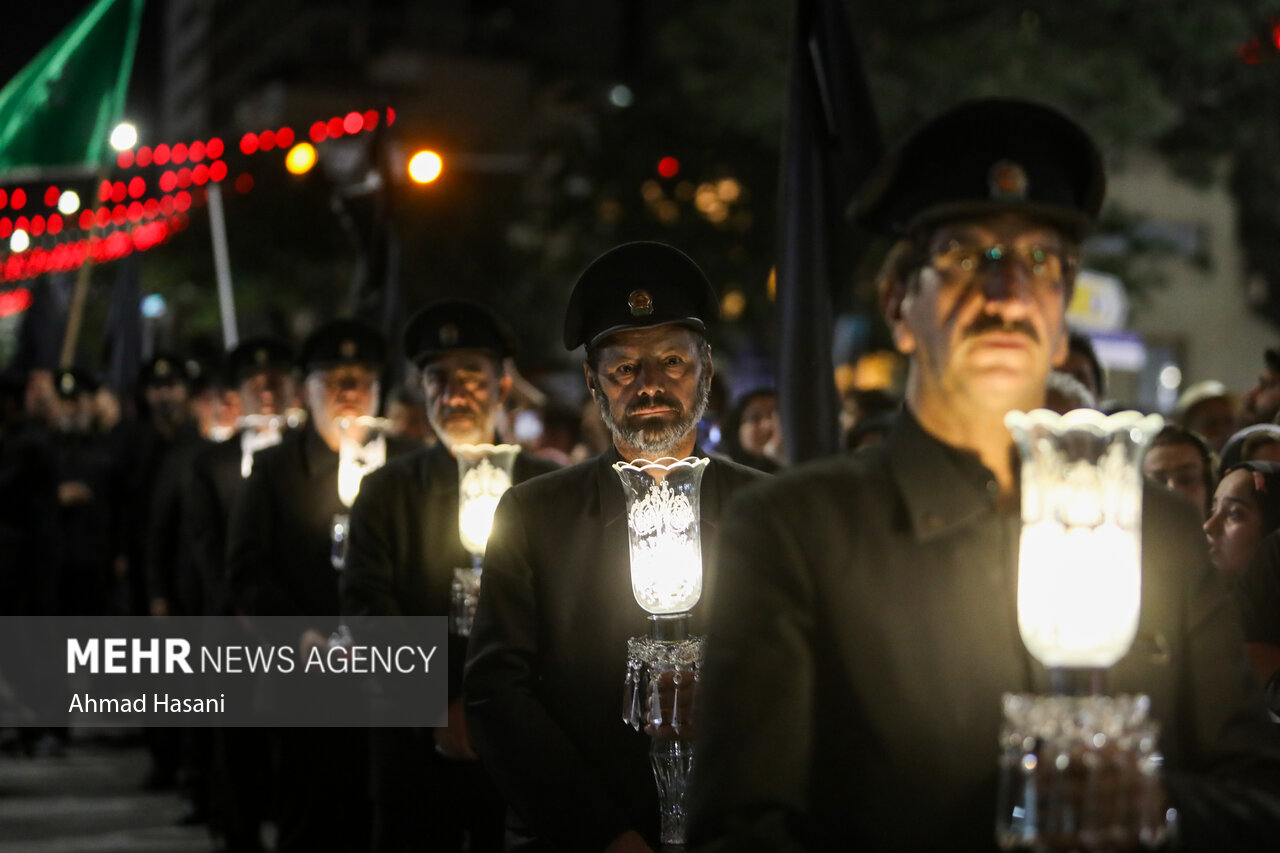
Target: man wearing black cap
(428, 790)
(262, 369)
(280, 563)
(548, 651)
(867, 630)
(162, 432)
(162, 396)
(89, 497)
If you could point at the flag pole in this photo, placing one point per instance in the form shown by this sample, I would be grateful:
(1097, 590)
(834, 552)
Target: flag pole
(76, 312)
(222, 267)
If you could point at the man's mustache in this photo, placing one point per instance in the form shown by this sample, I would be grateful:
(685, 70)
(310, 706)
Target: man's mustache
(996, 323)
(656, 401)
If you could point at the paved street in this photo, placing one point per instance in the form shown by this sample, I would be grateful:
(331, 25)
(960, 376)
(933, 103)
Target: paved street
(90, 799)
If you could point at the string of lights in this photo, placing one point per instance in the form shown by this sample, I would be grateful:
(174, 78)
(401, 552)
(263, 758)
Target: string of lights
(125, 220)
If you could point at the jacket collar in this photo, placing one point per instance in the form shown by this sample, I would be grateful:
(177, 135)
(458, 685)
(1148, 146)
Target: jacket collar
(439, 469)
(942, 487)
(315, 453)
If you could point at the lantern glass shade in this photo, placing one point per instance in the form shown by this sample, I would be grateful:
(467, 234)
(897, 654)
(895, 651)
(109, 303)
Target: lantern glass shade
(1080, 560)
(358, 454)
(664, 531)
(484, 475)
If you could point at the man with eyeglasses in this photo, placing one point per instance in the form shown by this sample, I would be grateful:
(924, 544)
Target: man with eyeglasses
(865, 626)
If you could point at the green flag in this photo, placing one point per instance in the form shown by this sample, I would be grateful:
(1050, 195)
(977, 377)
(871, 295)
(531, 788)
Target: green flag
(57, 113)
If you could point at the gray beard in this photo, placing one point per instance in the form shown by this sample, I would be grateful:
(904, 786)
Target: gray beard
(654, 442)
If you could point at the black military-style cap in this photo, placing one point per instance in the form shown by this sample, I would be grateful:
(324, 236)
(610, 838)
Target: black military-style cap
(201, 373)
(636, 285)
(71, 383)
(254, 355)
(456, 324)
(343, 341)
(987, 156)
(163, 368)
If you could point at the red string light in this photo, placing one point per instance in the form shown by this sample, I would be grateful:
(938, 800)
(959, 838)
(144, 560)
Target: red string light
(167, 214)
(71, 255)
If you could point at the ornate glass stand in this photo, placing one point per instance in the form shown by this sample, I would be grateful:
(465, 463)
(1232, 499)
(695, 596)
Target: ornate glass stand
(662, 674)
(1080, 773)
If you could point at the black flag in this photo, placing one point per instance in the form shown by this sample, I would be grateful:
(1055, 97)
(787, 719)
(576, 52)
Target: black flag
(831, 140)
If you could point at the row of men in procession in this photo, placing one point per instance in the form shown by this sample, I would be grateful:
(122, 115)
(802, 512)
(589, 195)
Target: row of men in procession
(860, 611)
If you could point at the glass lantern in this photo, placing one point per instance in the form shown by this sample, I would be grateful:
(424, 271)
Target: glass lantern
(1080, 772)
(665, 542)
(485, 472)
(361, 449)
(258, 432)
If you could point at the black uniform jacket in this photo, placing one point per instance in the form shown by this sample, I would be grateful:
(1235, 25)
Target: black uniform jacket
(280, 542)
(851, 698)
(548, 654)
(172, 573)
(206, 513)
(405, 543)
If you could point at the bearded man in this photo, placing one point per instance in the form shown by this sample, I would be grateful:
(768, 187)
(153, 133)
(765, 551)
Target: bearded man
(543, 683)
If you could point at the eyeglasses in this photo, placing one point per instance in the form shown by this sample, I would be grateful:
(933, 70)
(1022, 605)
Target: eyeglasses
(958, 262)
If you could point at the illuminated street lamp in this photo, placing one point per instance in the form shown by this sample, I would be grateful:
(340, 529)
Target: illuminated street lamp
(665, 541)
(484, 475)
(425, 167)
(300, 158)
(124, 136)
(1080, 771)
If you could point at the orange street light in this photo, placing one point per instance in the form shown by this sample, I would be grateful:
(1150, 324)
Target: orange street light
(425, 167)
(300, 158)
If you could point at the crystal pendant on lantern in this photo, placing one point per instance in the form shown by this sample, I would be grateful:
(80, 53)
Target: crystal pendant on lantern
(665, 542)
(1078, 769)
(361, 449)
(485, 473)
